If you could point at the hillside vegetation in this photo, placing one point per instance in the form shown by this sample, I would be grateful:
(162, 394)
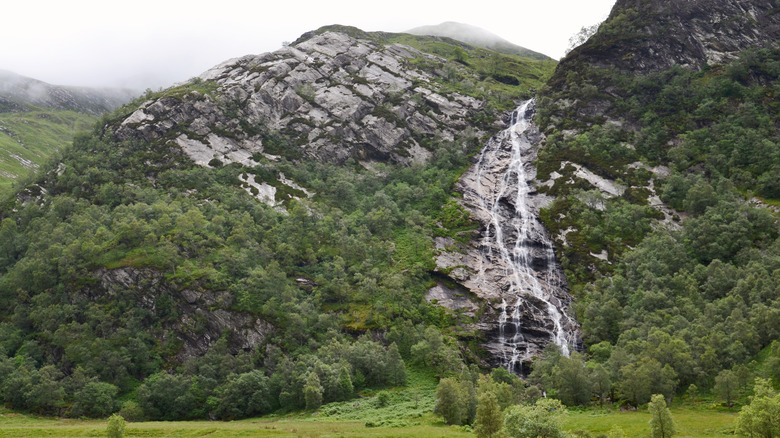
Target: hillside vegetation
(135, 280)
(38, 119)
(684, 291)
(28, 139)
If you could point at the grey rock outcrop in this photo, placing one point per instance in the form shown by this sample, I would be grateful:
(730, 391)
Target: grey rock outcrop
(332, 96)
(202, 316)
(654, 35)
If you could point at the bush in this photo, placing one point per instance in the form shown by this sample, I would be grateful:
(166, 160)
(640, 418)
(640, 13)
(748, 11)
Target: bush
(540, 420)
(115, 427)
(383, 398)
(130, 411)
(96, 399)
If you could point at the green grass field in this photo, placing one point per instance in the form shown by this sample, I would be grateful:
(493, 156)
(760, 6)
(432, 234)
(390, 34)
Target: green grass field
(690, 421)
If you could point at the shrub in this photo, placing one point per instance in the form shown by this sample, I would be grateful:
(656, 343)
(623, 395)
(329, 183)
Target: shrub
(115, 427)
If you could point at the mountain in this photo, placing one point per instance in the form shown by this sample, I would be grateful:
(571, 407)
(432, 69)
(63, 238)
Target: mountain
(295, 227)
(478, 37)
(659, 154)
(38, 119)
(273, 218)
(18, 92)
(645, 36)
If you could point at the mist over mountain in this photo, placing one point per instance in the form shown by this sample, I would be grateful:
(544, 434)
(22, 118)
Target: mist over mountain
(18, 92)
(476, 36)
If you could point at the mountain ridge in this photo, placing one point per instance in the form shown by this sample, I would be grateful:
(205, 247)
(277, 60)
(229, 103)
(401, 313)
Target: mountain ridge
(476, 36)
(21, 90)
(654, 35)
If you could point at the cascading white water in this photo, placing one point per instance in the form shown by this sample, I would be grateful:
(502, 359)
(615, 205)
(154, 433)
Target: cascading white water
(519, 242)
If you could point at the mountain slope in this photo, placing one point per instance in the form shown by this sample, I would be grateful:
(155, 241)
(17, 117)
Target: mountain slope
(38, 119)
(647, 36)
(333, 97)
(476, 36)
(18, 92)
(661, 155)
(270, 224)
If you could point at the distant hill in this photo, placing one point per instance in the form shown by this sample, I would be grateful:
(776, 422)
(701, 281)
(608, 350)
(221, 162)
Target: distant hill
(38, 119)
(478, 37)
(18, 93)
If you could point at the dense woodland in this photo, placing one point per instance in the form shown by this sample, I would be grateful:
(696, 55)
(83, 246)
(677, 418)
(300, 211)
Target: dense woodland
(367, 249)
(686, 304)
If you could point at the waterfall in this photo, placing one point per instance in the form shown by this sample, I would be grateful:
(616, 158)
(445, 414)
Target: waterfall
(516, 237)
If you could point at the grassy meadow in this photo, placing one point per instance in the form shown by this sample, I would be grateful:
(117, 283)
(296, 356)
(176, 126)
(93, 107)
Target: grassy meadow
(407, 415)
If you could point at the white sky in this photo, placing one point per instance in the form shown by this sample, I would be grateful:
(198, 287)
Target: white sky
(154, 43)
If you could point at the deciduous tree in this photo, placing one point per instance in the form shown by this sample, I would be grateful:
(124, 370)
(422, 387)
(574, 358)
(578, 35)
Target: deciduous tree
(489, 416)
(661, 423)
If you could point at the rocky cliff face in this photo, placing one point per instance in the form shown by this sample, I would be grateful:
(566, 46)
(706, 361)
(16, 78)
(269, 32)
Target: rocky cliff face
(198, 316)
(332, 95)
(644, 36)
(339, 94)
(510, 262)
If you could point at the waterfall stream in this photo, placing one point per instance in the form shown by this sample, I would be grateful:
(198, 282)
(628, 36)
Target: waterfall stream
(521, 242)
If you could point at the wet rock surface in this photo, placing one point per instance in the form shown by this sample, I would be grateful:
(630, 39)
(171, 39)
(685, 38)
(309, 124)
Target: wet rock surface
(510, 262)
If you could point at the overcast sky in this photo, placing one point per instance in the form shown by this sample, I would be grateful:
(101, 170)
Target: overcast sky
(154, 43)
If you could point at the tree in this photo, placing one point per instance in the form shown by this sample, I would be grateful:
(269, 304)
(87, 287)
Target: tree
(244, 395)
(726, 386)
(396, 368)
(542, 420)
(601, 383)
(468, 395)
(449, 403)
(383, 398)
(116, 426)
(580, 37)
(166, 397)
(692, 392)
(345, 387)
(502, 390)
(661, 423)
(96, 399)
(571, 381)
(461, 56)
(488, 421)
(312, 392)
(761, 418)
(642, 378)
(46, 393)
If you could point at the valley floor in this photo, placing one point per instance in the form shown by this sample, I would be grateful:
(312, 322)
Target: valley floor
(690, 421)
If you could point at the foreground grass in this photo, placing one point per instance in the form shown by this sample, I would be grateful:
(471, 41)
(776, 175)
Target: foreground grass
(16, 425)
(690, 421)
(407, 414)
